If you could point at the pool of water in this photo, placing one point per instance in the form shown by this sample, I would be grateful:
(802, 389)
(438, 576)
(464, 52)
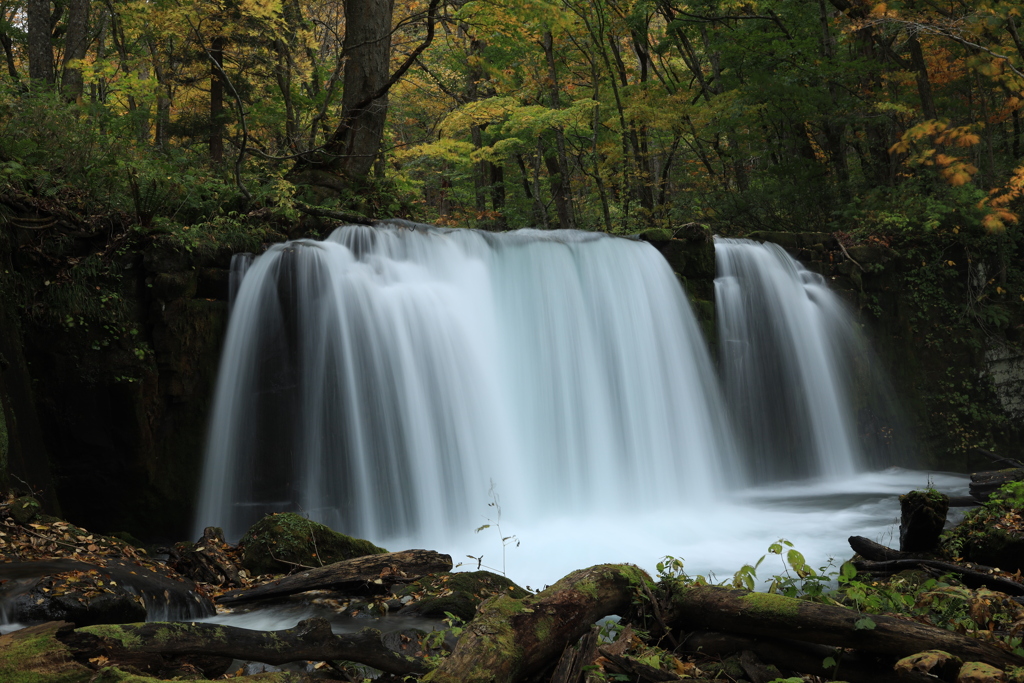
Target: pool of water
(718, 537)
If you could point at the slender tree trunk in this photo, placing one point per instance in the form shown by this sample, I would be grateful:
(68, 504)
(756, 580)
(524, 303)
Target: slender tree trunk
(924, 85)
(1016, 134)
(40, 48)
(217, 100)
(161, 135)
(557, 163)
(480, 172)
(12, 69)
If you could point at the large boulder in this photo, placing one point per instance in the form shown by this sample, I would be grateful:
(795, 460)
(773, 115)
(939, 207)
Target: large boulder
(285, 541)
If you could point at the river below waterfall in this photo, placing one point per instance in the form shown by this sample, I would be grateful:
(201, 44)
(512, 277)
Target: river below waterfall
(718, 537)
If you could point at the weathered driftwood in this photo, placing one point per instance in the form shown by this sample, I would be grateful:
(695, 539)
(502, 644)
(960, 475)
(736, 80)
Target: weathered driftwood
(770, 615)
(361, 575)
(146, 646)
(976, 576)
(512, 639)
(795, 655)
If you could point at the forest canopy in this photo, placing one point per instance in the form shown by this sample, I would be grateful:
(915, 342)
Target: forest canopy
(613, 115)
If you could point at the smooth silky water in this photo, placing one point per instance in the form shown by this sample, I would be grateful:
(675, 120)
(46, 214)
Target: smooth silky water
(387, 380)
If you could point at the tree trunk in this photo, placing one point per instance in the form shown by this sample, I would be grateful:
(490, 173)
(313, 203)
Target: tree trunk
(145, 646)
(924, 85)
(775, 616)
(794, 655)
(557, 161)
(217, 99)
(56, 650)
(40, 49)
(373, 572)
(510, 639)
(12, 69)
(368, 51)
(75, 43)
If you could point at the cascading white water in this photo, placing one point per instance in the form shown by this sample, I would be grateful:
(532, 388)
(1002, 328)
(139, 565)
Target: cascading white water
(378, 381)
(790, 356)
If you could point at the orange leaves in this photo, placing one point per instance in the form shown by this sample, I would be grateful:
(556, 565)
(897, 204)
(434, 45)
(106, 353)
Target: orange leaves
(999, 198)
(918, 141)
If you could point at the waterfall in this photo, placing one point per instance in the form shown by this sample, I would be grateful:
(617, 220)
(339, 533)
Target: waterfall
(791, 360)
(380, 380)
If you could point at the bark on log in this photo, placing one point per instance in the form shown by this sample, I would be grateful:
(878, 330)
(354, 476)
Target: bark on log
(973, 577)
(512, 639)
(770, 615)
(984, 483)
(361, 575)
(37, 654)
(795, 655)
(145, 645)
(877, 552)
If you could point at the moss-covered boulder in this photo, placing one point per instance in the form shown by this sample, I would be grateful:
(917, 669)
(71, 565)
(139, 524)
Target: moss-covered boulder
(458, 593)
(25, 509)
(992, 534)
(283, 541)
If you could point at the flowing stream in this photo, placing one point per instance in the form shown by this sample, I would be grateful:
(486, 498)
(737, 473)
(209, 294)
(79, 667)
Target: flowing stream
(410, 384)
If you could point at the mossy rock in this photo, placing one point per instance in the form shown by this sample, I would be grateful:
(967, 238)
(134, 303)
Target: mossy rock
(25, 509)
(458, 593)
(656, 235)
(280, 542)
(979, 672)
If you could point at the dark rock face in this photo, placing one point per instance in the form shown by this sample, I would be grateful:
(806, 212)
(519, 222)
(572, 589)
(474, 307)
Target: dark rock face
(280, 542)
(690, 251)
(125, 424)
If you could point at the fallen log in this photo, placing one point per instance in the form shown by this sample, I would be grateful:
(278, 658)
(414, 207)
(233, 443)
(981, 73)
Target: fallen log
(879, 559)
(972, 577)
(716, 608)
(37, 653)
(870, 550)
(370, 574)
(984, 483)
(511, 639)
(146, 646)
(795, 655)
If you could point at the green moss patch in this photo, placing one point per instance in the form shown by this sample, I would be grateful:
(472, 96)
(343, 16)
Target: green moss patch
(280, 542)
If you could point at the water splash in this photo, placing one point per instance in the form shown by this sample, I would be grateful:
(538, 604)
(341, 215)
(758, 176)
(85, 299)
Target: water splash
(379, 380)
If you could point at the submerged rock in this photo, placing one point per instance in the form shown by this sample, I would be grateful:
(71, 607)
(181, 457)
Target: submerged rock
(283, 541)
